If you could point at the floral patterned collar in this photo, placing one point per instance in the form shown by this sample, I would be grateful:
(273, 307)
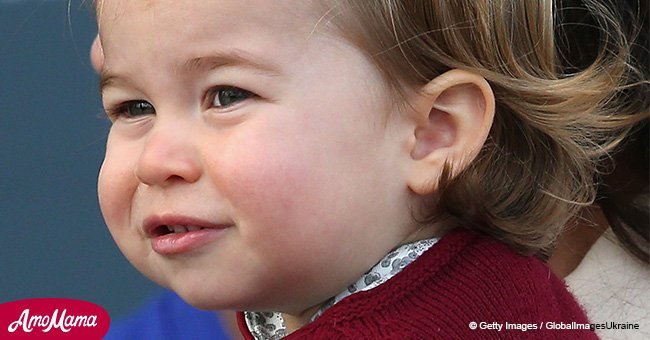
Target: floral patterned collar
(270, 325)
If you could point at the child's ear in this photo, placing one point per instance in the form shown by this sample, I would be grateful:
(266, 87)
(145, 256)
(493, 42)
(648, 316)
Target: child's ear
(453, 116)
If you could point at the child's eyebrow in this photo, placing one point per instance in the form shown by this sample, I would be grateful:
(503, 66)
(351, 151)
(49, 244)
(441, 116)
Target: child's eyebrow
(107, 79)
(233, 58)
(236, 57)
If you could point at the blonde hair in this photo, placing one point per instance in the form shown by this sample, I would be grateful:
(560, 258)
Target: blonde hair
(551, 127)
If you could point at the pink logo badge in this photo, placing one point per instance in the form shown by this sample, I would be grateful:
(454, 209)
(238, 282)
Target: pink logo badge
(52, 318)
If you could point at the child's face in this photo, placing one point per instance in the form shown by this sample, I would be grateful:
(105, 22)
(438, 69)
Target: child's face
(300, 186)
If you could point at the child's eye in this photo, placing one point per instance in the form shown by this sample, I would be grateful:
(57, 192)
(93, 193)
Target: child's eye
(225, 96)
(132, 109)
(139, 108)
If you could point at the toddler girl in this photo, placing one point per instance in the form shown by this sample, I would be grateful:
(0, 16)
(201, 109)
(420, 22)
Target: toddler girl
(353, 169)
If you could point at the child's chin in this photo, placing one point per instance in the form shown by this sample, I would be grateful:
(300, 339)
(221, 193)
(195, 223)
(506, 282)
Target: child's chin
(209, 300)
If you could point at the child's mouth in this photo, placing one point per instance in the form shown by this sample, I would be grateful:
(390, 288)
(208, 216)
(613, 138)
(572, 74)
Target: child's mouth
(174, 229)
(171, 235)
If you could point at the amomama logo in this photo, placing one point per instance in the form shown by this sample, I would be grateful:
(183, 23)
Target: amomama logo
(52, 318)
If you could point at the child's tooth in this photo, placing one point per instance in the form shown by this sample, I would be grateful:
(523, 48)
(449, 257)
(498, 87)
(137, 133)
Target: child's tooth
(170, 229)
(179, 229)
(193, 228)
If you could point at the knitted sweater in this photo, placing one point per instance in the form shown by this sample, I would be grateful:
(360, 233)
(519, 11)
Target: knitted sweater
(464, 278)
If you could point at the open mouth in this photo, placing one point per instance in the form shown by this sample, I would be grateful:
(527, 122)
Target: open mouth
(174, 229)
(176, 234)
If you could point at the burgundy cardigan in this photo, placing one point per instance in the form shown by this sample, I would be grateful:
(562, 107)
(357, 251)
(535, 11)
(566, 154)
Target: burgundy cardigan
(464, 278)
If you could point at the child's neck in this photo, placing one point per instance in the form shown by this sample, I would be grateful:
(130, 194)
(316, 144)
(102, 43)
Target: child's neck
(295, 321)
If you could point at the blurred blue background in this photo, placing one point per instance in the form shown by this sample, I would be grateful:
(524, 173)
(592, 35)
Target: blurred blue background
(53, 241)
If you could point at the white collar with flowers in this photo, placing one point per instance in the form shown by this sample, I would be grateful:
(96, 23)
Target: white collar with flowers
(270, 325)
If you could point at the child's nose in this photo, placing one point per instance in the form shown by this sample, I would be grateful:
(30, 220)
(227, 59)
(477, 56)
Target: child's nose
(168, 155)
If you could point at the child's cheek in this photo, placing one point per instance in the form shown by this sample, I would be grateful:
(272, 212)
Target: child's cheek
(112, 189)
(271, 184)
(116, 187)
(282, 212)
(277, 185)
